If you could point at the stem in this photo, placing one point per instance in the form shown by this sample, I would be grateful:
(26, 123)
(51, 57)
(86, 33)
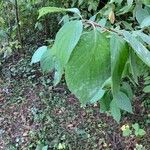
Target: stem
(17, 20)
(104, 28)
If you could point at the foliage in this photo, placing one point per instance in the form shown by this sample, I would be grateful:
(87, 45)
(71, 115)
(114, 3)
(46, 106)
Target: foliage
(99, 50)
(19, 25)
(136, 130)
(89, 61)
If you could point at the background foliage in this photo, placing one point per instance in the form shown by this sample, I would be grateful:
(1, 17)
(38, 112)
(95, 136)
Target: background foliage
(68, 51)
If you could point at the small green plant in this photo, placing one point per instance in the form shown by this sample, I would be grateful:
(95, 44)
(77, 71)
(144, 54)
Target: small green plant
(126, 131)
(139, 147)
(133, 130)
(96, 56)
(138, 131)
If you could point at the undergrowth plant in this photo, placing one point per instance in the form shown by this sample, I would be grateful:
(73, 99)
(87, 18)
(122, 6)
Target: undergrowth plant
(97, 54)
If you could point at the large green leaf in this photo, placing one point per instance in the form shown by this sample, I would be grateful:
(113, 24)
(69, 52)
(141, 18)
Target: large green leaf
(45, 10)
(115, 111)
(142, 52)
(38, 54)
(119, 56)
(65, 41)
(89, 66)
(123, 102)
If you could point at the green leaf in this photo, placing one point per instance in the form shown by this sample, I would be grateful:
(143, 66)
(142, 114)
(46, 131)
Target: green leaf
(74, 10)
(126, 88)
(137, 66)
(107, 84)
(135, 126)
(38, 54)
(115, 111)
(98, 96)
(146, 2)
(133, 66)
(65, 41)
(119, 56)
(105, 102)
(123, 102)
(138, 130)
(45, 148)
(89, 66)
(126, 8)
(58, 71)
(145, 22)
(144, 37)
(45, 10)
(116, 1)
(47, 61)
(41, 147)
(127, 132)
(141, 13)
(147, 89)
(138, 47)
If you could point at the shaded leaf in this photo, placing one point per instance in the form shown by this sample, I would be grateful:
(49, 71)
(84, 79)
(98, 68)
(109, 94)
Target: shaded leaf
(47, 61)
(119, 56)
(123, 102)
(105, 102)
(133, 66)
(126, 88)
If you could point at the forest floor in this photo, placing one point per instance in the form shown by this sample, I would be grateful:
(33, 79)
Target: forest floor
(36, 115)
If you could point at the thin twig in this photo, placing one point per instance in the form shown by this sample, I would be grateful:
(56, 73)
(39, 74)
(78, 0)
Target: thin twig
(100, 26)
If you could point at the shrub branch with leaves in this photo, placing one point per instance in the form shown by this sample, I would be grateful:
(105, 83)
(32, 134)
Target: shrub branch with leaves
(95, 58)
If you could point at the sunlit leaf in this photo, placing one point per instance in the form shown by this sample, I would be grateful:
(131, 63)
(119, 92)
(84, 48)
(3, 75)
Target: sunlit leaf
(147, 89)
(142, 52)
(38, 54)
(45, 10)
(145, 22)
(65, 41)
(89, 66)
